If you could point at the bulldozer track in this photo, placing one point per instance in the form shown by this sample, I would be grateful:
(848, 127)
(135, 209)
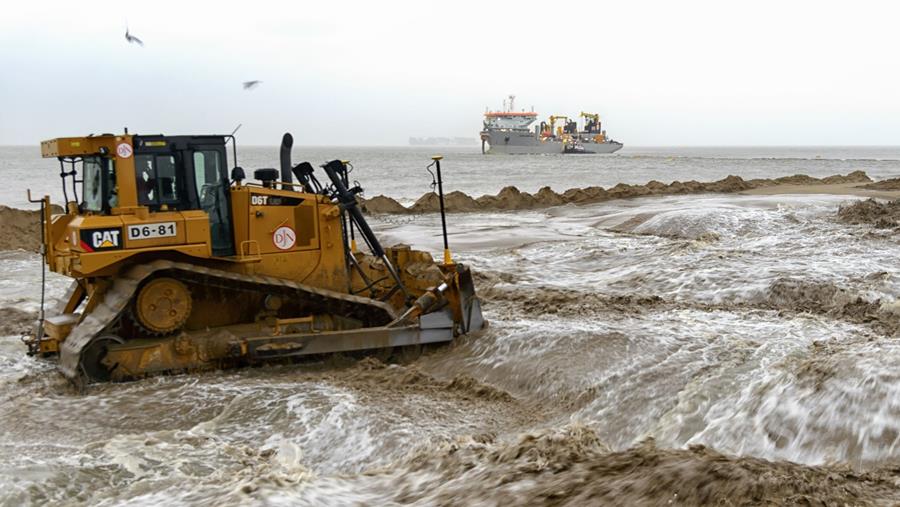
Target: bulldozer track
(117, 299)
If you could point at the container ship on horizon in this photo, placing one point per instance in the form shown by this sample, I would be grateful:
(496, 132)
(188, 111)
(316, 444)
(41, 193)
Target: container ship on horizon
(510, 131)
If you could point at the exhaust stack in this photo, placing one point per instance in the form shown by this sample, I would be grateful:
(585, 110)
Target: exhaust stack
(287, 142)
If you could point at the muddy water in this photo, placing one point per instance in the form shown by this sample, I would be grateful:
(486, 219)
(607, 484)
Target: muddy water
(670, 350)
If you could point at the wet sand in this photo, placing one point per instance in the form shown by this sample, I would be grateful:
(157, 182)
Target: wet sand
(553, 403)
(572, 467)
(853, 189)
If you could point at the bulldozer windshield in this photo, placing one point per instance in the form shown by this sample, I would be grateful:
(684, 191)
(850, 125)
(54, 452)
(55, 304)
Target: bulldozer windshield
(98, 184)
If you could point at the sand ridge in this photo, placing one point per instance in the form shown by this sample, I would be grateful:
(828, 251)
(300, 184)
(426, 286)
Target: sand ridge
(511, 198)
(20, 229)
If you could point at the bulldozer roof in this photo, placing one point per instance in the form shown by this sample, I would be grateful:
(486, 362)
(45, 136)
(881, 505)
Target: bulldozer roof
(103, 144)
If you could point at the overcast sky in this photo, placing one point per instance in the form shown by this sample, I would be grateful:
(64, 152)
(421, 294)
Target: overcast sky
(375, 73)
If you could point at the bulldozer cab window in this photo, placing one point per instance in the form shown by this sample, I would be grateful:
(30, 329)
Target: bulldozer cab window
(167, 178)
(92, 184)
(212, 188)
(98, 185)
(206, 169)
(208, 179)
(158, 181)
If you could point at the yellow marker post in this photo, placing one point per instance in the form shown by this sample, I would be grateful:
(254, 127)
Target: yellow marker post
(448, 259)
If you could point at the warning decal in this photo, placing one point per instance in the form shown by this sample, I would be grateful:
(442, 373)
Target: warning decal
(124, 150)
(284, 238)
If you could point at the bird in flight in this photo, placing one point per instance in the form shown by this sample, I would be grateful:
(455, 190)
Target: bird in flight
(132, 39)
(249, 85)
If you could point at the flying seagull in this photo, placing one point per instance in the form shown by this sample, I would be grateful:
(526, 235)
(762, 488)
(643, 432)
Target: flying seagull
(132, 39)
(249, 85)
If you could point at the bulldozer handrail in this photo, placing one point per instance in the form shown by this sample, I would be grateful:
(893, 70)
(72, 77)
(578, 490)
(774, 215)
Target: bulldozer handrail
(249, 256)
(260, 185)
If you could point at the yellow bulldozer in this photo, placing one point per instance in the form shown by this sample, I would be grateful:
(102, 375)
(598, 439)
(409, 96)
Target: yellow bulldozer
(180, 264)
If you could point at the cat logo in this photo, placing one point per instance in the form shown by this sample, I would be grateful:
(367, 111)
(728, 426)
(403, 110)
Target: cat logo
(109, 238)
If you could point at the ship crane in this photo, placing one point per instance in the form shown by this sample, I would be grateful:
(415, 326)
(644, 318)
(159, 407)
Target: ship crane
(553, 119)
(559, 132)
(591, 121)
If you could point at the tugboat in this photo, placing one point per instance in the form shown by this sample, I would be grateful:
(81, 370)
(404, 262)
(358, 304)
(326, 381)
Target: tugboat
(510, 131)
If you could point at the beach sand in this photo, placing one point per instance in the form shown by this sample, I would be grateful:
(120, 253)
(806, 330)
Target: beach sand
(851, 189)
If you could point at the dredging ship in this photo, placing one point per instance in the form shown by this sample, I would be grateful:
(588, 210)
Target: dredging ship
(510, 131)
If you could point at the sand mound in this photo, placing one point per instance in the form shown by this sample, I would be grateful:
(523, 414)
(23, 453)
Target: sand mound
(372, 371)
(797, 179)
(547, 197)
(821, 362)
(571, 466)
(454, 201)
(584, 195)
(381, 204)
(426, 204)
(21, 229)
(871, 212)
(511, 198)
(807, 296)
(459, 201)
(472, 387)
(563, 302)
(853, 177)
(891, 184)
(825, 298)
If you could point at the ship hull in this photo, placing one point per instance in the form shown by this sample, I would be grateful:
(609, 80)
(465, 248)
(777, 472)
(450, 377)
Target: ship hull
(604, 147)
(525, 143)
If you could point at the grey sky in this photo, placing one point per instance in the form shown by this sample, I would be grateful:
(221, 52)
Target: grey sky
(348, 73)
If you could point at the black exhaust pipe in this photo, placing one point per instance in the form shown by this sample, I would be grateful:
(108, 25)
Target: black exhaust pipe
(287, 142)
(347, 200)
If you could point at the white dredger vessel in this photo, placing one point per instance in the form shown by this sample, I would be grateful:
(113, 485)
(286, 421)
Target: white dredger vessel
(510, 131)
